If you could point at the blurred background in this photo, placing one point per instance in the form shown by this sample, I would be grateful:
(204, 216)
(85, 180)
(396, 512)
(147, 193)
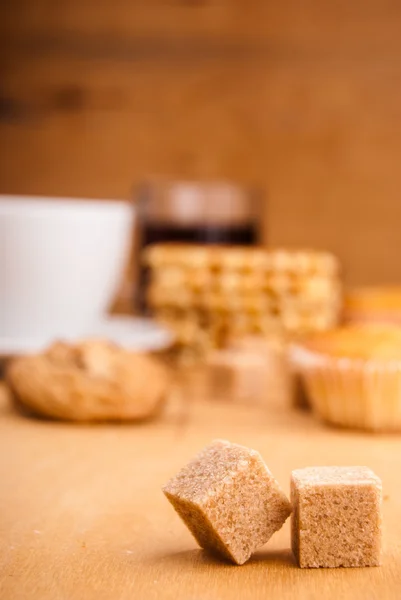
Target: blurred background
(300, 99)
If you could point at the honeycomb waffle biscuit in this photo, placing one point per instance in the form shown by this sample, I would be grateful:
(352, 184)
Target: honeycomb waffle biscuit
(281, 260)
(236, 291)
(255, 280)
(271, 325)
(301, 263)
(252, 285)
(318, 288)
(298, 325)
(261, 324)
(189, 331)
(275, 278)
(230, 282)
(238, 324)
(198, 257)
(170, 277)
(161, 256)
(241, 258)
(180, 297)
(90, 381)
(259, 261)
(308, 305)
(199, 280)
(216, 302)
(249, 304)
(242, 283)
(294, 319)
(183, 256)
(279, 283)
(234, 259)
(305, 262)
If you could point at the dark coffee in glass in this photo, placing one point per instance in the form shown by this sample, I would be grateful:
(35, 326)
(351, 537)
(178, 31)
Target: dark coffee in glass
(245, 234)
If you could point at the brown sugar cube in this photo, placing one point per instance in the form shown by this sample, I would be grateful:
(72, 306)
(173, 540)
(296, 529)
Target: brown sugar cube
(337, 517)
(235, 375)
(229, 500)
(252, 370)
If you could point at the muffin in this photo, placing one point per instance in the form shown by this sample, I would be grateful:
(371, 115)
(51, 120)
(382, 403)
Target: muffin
(208, 294)
(353, 376)
(373, 305)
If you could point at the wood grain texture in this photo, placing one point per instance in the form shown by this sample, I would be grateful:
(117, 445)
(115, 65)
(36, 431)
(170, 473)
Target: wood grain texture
(364, 25)
(301, 99)
(82, 514)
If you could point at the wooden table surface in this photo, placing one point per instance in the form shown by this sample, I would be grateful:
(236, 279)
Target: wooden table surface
(82, 516)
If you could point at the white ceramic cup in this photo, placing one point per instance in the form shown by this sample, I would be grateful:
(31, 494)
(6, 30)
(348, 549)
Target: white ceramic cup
(61, 262)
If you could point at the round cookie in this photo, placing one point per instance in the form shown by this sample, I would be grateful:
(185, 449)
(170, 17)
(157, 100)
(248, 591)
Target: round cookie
(89, 381)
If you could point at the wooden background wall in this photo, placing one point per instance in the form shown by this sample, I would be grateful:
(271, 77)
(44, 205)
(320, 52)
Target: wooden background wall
(300, 97)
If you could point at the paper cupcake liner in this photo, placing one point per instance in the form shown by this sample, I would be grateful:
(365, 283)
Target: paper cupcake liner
(355, 393)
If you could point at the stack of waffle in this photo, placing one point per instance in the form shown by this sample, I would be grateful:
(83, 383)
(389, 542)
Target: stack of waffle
(210, 294)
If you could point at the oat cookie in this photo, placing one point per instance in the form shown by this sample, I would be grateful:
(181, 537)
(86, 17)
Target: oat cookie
(89, 381)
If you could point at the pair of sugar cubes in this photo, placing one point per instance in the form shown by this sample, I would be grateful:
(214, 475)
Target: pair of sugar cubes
(232, 505)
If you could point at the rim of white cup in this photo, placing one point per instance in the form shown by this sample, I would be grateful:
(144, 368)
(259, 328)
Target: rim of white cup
(14, 205)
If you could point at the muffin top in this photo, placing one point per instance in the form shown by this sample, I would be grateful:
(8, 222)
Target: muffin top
(374, 299)
(358, 342)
